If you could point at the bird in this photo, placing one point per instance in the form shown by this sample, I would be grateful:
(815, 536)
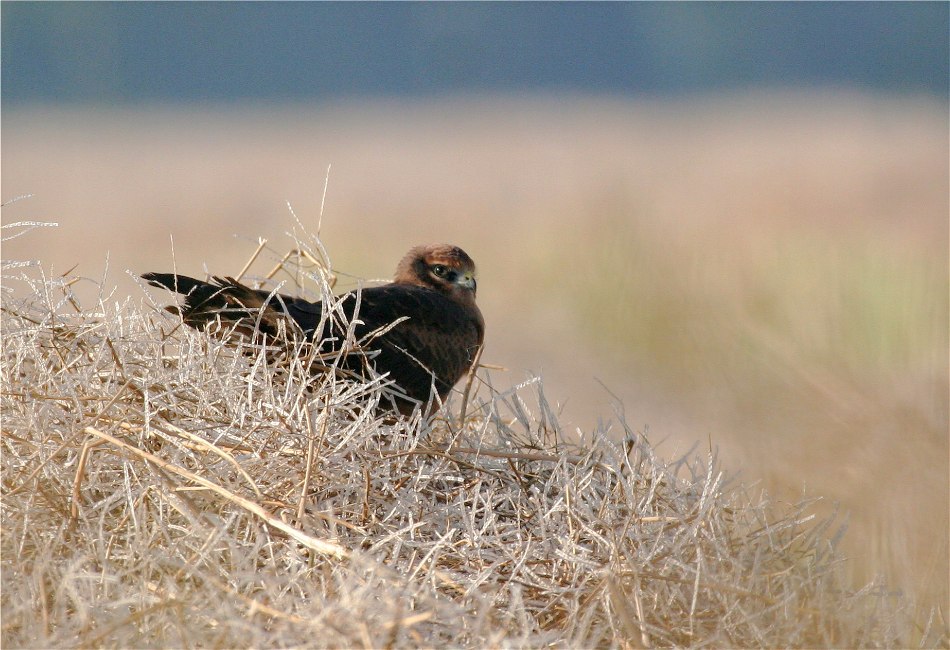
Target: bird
(423, 329)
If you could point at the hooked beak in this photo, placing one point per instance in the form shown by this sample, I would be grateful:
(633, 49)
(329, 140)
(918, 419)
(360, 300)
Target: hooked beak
(467, 281)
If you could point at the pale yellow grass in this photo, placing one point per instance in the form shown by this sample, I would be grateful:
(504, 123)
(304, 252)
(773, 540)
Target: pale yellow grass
(163, 489)
(767, 273)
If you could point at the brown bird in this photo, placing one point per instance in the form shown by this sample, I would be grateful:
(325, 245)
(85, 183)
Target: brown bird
(437, 332)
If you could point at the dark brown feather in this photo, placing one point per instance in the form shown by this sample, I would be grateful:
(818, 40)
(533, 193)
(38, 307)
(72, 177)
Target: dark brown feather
(434, 344)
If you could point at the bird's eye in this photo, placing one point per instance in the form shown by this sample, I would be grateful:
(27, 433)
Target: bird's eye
(440, 270)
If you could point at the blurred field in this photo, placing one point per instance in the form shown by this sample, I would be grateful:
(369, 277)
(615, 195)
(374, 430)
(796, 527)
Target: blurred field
(767, 274)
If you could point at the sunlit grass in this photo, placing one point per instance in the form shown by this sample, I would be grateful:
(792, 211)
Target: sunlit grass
(161, 488)
(766, 275)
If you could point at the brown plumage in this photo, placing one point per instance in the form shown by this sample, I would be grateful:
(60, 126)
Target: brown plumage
(433, 346)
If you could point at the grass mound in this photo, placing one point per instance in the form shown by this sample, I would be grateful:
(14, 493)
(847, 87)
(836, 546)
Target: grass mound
(164, 489)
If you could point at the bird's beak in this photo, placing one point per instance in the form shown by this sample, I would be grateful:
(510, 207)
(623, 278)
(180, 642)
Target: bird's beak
(467, 281)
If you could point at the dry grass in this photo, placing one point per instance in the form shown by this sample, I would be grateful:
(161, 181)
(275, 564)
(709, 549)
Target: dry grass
(162, 489)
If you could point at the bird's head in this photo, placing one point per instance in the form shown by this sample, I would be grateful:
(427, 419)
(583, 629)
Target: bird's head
(443, 267)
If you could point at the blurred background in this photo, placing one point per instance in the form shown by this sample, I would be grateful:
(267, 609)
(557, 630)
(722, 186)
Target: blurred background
(729, 221)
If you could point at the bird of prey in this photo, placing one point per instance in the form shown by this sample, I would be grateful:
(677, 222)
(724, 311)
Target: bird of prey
(423, 329)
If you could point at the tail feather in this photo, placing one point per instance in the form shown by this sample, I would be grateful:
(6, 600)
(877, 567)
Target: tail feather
(177, 283)
(226, 301)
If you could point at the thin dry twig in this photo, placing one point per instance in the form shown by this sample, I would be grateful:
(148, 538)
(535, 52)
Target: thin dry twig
(318, 545)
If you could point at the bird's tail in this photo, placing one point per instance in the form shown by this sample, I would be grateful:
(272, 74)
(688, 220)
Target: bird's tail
(227, 303)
